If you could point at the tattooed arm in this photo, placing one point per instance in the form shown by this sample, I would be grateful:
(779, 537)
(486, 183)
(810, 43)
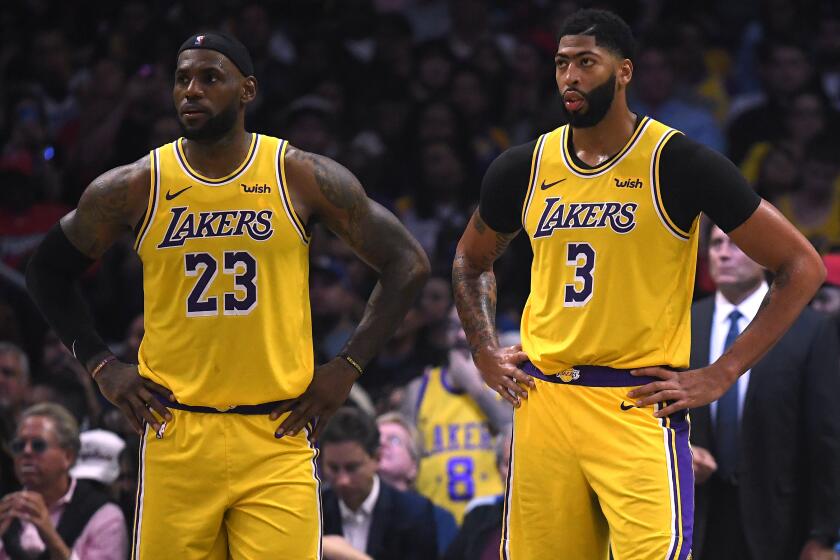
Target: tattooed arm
(474, 284)
(109, 207)
(771, 241)
(323, 189)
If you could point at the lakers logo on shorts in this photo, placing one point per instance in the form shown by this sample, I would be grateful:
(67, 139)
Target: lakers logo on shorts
(568, 375)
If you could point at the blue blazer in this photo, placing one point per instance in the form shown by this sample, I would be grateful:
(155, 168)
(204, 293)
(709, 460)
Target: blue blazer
(402, 528)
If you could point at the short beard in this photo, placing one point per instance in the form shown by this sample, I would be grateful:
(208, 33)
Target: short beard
(598, 103)
(215, 128)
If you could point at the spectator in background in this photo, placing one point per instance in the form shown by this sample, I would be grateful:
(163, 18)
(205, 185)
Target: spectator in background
(767, 453)
(806, 118)
(99, 460)
(786, 70)
(456, 415)
(827, 51)
(400, 446)
(814, 207)
(778, 172)
(372, 515)
(55, 512)
(480, 536)
(654, 93)
(14, 382)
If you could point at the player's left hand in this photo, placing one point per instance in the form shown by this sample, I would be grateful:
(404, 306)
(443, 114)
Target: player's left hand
(815, 550)
(327, 391)
(687, 389)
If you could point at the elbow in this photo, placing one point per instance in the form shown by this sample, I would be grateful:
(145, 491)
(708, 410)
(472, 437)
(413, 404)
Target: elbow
(422, 268)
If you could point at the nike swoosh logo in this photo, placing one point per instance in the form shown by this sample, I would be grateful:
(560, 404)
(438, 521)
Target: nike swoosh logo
(549, 185)
(627, 406)
(170, 196)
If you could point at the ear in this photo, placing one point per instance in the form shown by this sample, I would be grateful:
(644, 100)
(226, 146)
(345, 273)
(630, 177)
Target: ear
(249, 90)
(625, 72)
(70, 458)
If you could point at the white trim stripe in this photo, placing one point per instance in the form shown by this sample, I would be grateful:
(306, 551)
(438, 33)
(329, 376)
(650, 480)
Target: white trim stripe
(666, 436)
(611, 165)
(155, 194)
(141, 491)
(654, 189)
(252, 157)
(533, 187)
(315, 453)
(508, 498)
(287, 204)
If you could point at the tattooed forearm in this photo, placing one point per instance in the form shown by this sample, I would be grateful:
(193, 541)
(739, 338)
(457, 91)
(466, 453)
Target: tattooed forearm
(376, 237)
(781, 280)
(474, 286)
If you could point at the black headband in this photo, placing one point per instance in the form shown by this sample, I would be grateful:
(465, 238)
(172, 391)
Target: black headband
(225, 44)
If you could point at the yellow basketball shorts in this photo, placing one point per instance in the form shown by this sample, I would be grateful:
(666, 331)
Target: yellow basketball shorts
(590, 472)
(218, 486)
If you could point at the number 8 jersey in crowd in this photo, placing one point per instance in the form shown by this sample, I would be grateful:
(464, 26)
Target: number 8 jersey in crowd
(459, 461)
(612, 275)
(225, 281)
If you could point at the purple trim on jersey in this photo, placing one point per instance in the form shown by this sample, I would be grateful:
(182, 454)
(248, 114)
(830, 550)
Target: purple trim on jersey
(420, 394)
(590, 376)
(446, 384)
(679, 430)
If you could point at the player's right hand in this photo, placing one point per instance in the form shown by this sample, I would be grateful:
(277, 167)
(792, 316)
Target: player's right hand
(123, 385)
(498, 367)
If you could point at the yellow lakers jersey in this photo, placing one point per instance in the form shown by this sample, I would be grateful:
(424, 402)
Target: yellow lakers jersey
(225, 281)
(459, 461)
(612, 276)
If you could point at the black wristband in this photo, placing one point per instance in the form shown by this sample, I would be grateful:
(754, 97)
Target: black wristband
(51, 279)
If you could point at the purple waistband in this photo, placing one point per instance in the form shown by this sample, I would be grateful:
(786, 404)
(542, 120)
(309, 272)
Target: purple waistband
(589, 376)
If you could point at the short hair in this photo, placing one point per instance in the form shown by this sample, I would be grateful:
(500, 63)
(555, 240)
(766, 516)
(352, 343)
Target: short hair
(350, 424)
(66, 427)
(415, 444)
(7, 347)
(609, 30)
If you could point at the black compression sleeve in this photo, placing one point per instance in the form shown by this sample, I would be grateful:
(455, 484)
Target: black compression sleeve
(504, 188)
(694, 179)
(51, 279)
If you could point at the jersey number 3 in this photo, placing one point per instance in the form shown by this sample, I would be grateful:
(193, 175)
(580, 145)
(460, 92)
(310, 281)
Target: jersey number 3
(582, 257)
(240, 302)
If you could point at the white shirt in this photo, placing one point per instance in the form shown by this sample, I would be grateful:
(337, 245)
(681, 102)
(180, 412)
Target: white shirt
(356, 524)
(720, 328)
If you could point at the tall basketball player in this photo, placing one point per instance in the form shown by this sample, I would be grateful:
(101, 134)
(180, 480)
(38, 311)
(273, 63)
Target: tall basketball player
(221, 219)
(610, 204)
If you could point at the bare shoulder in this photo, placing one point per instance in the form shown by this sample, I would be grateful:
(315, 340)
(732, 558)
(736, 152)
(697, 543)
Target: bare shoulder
(113, 203)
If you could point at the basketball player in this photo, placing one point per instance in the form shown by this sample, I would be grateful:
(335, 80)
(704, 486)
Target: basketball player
(221, 219)
(610, 204)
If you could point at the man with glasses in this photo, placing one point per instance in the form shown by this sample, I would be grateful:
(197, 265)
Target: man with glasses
(55, 515)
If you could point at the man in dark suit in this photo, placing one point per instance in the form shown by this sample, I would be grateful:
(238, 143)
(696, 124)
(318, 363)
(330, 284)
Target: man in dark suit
(372, 516)
(767, 453)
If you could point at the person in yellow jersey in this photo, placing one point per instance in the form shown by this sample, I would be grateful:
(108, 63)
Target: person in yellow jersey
(226, 394)
(610, 203)
(457, 417)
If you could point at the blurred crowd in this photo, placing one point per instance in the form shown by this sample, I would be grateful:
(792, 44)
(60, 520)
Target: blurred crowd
(416, 97)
